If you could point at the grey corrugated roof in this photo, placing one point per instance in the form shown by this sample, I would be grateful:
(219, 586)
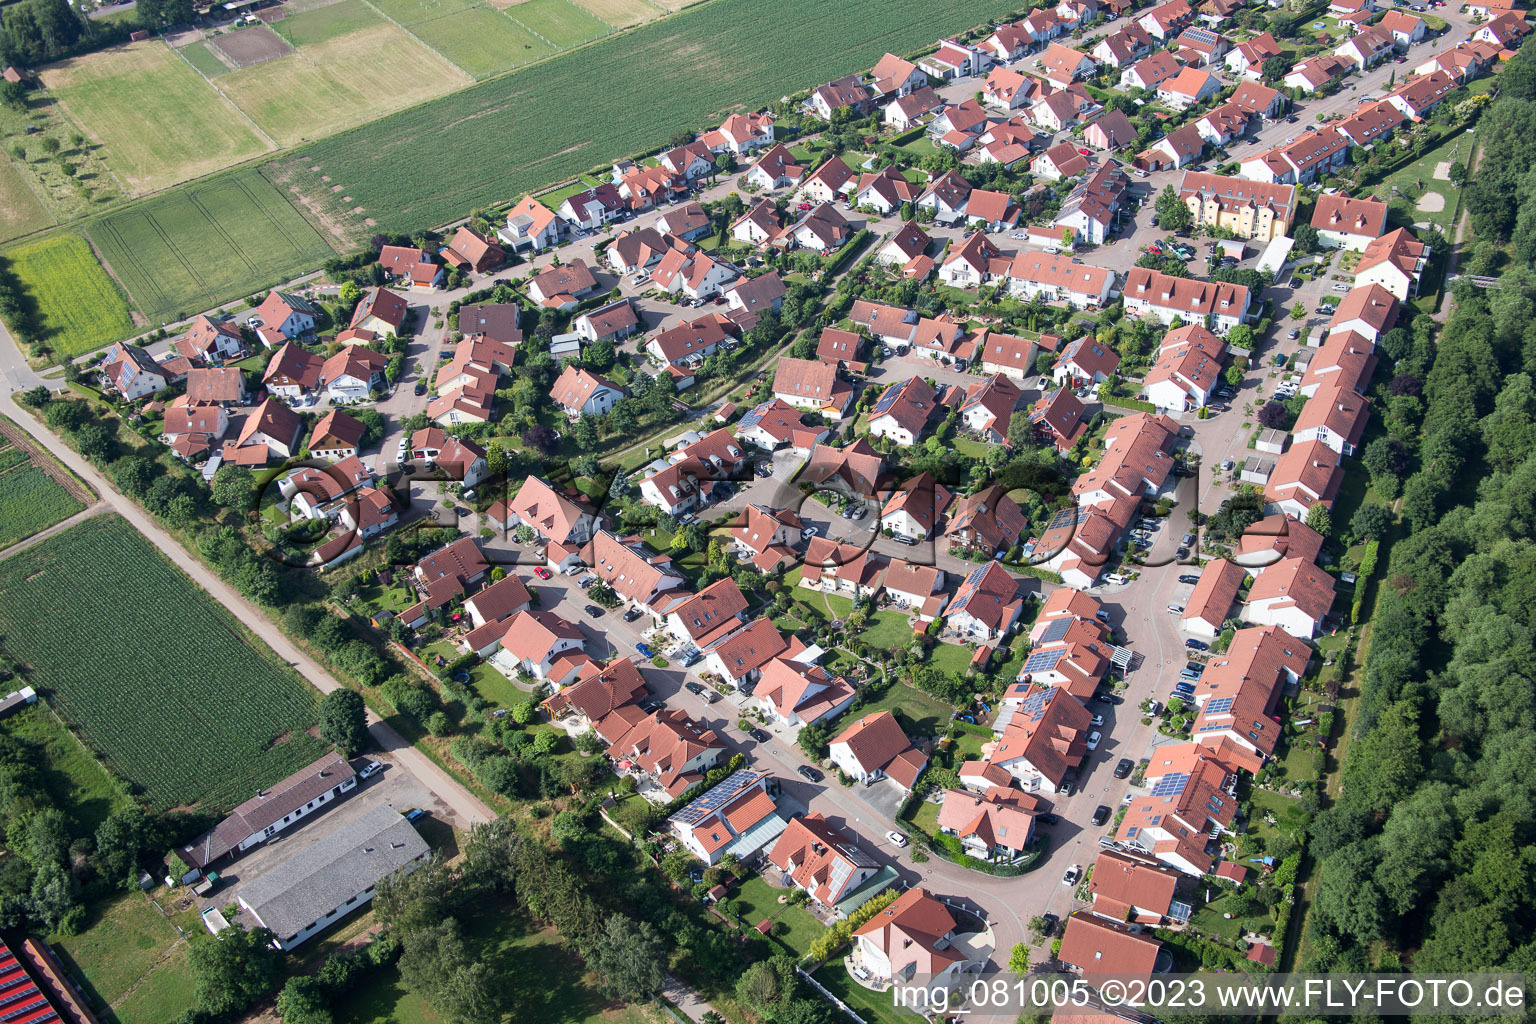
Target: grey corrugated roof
(326, 874)
(268, 807)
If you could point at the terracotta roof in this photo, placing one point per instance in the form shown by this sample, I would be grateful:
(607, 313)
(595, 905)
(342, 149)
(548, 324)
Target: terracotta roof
(577, 385)
(1128, 881)
(1096, 946)
(1339, 409)
(290, 363)
(750, 647)
(923, 498)
(1366, 216)
(1309, 472)
(909, 932)
(337, 426)
(1371, 304)
(821, 860)
(215, 384)
(1212, 598)
(1298, 582)
(875, 741)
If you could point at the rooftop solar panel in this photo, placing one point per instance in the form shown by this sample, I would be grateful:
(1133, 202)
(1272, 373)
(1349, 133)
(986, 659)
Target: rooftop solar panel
(719, 796)
(1171, 784)
(1219, 705)
(1056, 630)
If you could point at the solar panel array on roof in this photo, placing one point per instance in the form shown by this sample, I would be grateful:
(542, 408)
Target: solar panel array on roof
(1067, 516)
(1219, 705)
(1056, 630)
(719, 796)
(889, 398)
(1035, 706)
(1171, 784)
(1042, 661)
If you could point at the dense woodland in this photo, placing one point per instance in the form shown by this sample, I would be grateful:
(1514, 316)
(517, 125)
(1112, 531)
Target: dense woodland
(1427, 854)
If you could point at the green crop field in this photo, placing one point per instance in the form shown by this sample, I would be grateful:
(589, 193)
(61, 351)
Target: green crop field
(215, 240)
(141, 661)
(482, 41)
(115, 93)
(560, 21)
(30, 501)
(512, 135)
(81, 308)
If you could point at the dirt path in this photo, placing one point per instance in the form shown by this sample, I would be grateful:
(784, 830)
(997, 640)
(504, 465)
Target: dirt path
(59, 527)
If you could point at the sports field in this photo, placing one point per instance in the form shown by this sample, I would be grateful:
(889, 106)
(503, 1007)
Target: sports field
(204, 60)
(116, 94)
(140, 661)
(81, 308)
(192, 248)
(523, 130)
(338, 79)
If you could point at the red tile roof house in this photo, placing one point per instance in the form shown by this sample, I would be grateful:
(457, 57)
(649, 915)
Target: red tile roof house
(352, 374)
(489, 611)
(1237, 698)
(902, 412)
(792, 693)
(625, 564)
(1208, 607)
(875, 748)
(530, 225)
(190, 430)
(766, 537)
(914, 937)
(1006, 354)
(1346, 223)
(946, 197)
(826, 864)
(739, 658)
(710, 615)
(845, 92)
(988, 407)
(918, 589)
(336, 436)
(1306, 475)
(740, 133)
(1368, 310)
(827, 183)
(736, 817)
(853, 469)
(1166, 20)
(1058, 419)
(1059, 161)
(211, 341)
(1335, 415)
(1293, 594)
(470, 250)
(671, 750)
(1218, 305)
(1395, 261)
(411, 267)
(1187, 371)
(1192, 807)
(812, 385)
(1345, 360)
(995, 826)
(1043, 741)
(835, 567)
(288, 314)
(915, 509)
(1125, 887)
(1093, 946)
(380, 311)
(986, 605)
(553, 517)
(133, 372)
(687, 344)
(581, 393)
(271, 426)
(895, 76)
(773, 424)
(562, 287)
(534, 642)
(1124, 46)
(216, 385)
(1273, 538)
(1085, 361)
(776, 169)
(1247, 58)
(1187, 88)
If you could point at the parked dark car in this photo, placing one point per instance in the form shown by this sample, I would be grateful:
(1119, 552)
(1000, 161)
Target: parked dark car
(1108, 698)
(813, 774)
(632, 615)
(1187, 578)
(1197, 645)
(593, 610)
(1124, 768)
(1048, 923)
(420, 388)
(1100, 814)
(1046, 819)
(758, 735)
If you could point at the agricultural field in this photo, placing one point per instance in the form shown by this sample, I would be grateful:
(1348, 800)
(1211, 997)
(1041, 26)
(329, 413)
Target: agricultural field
(159, 248)
(82, 309)
(519, 132)
(29, 502)
(482, 40)
(622, 13)
(353, 66)
(112, 94)
(49, 186)
(559, 21)
(161, 666)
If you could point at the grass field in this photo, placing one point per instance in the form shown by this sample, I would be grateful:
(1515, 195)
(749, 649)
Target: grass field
(71, 775)
(204, 60)
(482, 40)
(922, 713)
(559, 21)
(114, 93)
(324, 24)
(20, 211)
(82, 309)
(164, 994)
(30, 501)
(159, 248)
(623, 13)
(122, 944)
(336, 82)
(63, 196)
(1418, 180)
(519, 132)
(160, 667)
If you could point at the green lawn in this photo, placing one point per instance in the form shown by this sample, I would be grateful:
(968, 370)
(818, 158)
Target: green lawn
(888, 630)
(925, 816)
(1418, 178)
(164, 994)
(921, 713)
(1209, 919)
(123, 940)
(951, 658)
(204, 60)
(757, 900)
(560, 21)
(482, 41)
(71, 775)
(158, 247)
(873, 1007)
